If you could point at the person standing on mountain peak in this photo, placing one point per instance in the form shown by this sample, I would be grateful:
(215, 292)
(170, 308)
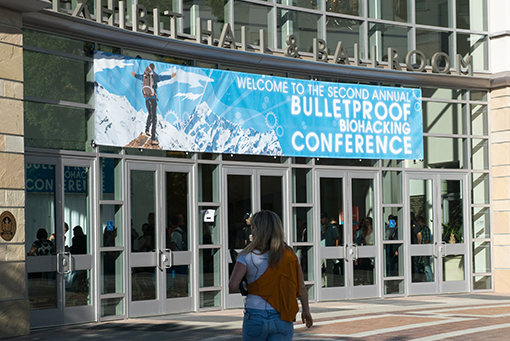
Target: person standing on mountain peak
(150, 80)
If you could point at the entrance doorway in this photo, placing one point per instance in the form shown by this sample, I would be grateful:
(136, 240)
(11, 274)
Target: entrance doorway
(437, 261)
(59, 216)
(347, 230)
(160, 257)
(248, 191)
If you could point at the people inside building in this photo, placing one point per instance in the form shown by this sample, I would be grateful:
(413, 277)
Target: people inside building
(76, 280)
(142, 277)
(329, 237)
(364, 267)
(109, 259)
(270, 306)
(417, 267)
(415, 230)
(134, 235)
(179, 242)
(109, 235)
(368, 231)
(426, 238)
(247, 228)
(301, 230)
(392, 249)
(140, 243)
(358, 237)
(42, 246)
(147, 242)
(329, 232)
(79, 246)
(53, 239)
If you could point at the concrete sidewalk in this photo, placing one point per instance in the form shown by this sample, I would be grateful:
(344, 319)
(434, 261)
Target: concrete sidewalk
(445, 317)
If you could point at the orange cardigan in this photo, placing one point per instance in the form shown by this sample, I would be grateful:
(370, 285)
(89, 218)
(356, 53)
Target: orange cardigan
(281, 286)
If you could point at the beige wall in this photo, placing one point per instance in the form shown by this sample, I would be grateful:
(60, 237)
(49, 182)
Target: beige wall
(500, 166)
(14, 305)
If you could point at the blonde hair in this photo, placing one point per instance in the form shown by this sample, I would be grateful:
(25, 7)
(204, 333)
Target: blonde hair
(267, 233)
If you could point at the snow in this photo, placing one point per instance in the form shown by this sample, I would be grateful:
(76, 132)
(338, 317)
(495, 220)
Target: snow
(118, 123)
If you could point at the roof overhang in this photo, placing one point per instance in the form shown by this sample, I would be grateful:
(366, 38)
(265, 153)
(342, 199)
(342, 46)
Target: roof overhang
(25, 6)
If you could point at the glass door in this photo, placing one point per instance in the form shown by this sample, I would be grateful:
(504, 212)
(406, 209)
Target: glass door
(160, 252)
(58, 244)
(348, 234)
(438, 245)
(143, 271)
(364, 235)
(331, 227)
(453, 253)
(175, 250)
(248, 191)
(78, 276)
(240, 188)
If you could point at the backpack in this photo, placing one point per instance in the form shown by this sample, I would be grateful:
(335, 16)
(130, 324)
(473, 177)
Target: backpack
(184, 241)
(148, 83)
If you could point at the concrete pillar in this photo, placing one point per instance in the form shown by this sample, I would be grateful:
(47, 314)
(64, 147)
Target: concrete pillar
(499, 45)
(14, 304)
(500, 166)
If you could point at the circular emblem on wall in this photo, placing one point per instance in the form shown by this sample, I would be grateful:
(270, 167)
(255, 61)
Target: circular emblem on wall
(7, 226)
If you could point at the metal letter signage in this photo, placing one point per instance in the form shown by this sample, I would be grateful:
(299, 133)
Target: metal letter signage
(155, 105)
(140, 23)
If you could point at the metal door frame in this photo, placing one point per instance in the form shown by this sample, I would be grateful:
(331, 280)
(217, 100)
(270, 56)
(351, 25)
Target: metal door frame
(64, 262)
(438, 249)
(189, 257)
(161, 258)
(374, 251)
(348, 252)
(236, 300)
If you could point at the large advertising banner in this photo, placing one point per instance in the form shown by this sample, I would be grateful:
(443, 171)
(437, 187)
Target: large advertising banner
(146, 104)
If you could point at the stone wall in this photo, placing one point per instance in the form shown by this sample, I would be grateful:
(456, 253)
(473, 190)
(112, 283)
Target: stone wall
(14, 304)
(500, 166)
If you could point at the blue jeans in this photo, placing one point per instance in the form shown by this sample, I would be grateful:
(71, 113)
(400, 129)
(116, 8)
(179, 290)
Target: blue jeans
(266, 325)
(429, 275)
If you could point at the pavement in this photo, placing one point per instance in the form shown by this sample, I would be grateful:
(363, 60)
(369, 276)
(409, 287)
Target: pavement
(459, 317)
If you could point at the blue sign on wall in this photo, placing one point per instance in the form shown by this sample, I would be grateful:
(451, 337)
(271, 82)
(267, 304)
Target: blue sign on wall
(109, 225)
(174, 107)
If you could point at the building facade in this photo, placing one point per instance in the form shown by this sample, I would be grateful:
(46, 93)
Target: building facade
(156, 231)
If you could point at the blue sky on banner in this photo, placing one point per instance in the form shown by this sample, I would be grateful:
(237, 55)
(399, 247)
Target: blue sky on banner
(219, 111)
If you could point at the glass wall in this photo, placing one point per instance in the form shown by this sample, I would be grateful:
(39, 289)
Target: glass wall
(455, 122)
(433, 27)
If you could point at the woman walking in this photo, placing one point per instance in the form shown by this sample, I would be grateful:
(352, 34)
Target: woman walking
(275, 281)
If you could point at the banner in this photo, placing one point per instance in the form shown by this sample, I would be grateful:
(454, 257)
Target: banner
(146, 104)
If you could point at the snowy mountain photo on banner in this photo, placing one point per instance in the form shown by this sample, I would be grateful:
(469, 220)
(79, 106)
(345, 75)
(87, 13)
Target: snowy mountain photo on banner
(185, 121)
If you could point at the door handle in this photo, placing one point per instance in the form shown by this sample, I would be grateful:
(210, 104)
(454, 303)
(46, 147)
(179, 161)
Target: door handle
(165, 259)
(69, 268)
(58, 263)
(63, 263)
(354, 251)
(169, 253)
(443, 249)
(437, 250)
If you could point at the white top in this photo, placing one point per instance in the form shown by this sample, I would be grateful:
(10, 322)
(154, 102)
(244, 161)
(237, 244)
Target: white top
(369, 240)
(256, 264)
